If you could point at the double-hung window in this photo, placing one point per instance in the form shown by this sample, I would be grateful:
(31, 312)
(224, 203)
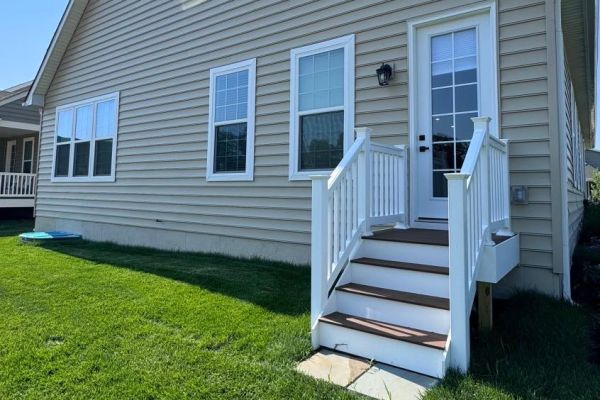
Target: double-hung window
(231, 122)
(86, 140)
(27, 167)
(321, 106)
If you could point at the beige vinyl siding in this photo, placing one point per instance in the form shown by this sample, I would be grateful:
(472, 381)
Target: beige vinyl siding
(158, 55)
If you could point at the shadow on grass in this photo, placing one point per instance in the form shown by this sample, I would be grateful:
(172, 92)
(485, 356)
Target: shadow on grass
(278, 287)
(14, 227)
(539, 349)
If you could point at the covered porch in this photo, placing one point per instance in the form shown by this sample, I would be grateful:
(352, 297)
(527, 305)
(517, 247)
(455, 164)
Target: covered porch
(18, 160)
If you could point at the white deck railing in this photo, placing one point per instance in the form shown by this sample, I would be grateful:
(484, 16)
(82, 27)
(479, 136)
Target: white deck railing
(478, 205)
(17, 185)
(367, 187)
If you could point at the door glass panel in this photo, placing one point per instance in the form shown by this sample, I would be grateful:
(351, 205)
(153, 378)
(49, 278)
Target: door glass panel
(454, 101)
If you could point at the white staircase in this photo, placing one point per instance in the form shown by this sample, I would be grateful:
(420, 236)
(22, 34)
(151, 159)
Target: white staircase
(403, 296)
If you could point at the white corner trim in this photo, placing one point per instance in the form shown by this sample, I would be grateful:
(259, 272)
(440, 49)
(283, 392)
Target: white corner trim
(347, 43)
(90, 177)
(248, 174)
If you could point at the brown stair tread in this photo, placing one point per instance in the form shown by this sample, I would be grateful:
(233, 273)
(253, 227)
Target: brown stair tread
(396, 295)
(411, 335)
(418, 236)
(402, 265)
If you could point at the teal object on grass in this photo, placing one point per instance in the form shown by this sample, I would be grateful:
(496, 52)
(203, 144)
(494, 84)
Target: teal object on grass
(52, 235)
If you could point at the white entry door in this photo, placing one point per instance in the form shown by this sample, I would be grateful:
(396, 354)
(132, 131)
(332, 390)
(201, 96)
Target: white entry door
(456, 81)
(11, 156)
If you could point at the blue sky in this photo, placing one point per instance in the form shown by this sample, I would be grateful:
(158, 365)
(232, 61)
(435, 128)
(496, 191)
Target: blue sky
(26, 30)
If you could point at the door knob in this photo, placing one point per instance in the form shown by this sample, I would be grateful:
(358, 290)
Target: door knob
(423, 149)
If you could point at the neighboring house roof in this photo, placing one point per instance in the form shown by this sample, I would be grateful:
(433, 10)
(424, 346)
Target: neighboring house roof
(18, 92)
(56, 50)
(592, 158)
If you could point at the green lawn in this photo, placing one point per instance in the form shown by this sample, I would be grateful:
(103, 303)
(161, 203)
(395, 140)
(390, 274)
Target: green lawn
(85, 320)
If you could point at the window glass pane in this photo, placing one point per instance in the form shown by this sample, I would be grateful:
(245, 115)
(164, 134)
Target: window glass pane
(105, 119)
(465, 43)
(443, 156)
(230, 148)
(83, 123)
(441, 74)
(82, 159)
(466, 98)
(103, 158)
(64, 126)
(27, 167)
(440, 184)
(61, 162)
(441, 101)
(321, 140)
(465, 70)
(27, 150)
(231, 94)
(461, 153)
(464, 126)
(441, 47)
(443, 128)
(321, 80)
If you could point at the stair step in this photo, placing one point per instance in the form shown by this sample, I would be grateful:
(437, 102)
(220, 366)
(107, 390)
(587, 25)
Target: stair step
(395, 295)
(418, 236)
(402, 265)
(391, 331)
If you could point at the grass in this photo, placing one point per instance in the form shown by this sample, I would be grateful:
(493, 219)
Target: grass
(539, 349)
(87, 320)
(84, 320)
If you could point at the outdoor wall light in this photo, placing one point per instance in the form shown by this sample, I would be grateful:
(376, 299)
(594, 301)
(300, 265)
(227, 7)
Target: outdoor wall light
(384, 74)
(519, 195)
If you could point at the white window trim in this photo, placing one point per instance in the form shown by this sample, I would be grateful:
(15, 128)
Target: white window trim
(23, 160)
(347, 43)
(90, 177)
(248, 174)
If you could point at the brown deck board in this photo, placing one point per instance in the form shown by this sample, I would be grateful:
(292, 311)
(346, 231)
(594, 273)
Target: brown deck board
(412, 235)
(433, 269)
(396, 295)
(411, 335)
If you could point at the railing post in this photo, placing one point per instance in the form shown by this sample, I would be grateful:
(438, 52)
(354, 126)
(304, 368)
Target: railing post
(364, 180)
(459, 281)
(482, 124)
(403, 175)
(319, 252)
(507, 221)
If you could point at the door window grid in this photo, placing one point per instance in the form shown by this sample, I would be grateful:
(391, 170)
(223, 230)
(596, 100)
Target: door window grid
(458, 82)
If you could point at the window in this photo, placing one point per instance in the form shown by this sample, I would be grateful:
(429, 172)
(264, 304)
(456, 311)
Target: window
(231, 122)
(321, 106)
(27, 167)
(86, 140)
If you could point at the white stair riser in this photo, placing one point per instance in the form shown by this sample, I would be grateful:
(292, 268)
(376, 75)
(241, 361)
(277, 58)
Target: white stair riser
(406, 252)
(421, 359)
(394, 312)
(399, 279)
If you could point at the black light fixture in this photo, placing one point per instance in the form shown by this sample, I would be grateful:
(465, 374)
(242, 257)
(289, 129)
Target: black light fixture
(384, 74)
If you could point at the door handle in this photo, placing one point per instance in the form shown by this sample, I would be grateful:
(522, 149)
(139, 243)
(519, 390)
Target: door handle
(423, 149)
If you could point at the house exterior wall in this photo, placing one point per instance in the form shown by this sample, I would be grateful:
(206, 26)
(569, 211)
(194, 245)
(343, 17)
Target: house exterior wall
(158, 56)
(16, 112)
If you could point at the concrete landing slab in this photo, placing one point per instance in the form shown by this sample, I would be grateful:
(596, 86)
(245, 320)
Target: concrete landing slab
(379, 381)
(337, 368)
(386, 382)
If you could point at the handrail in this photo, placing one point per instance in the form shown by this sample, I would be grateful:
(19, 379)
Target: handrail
(367, 187)
(478, 205)
(15, 184)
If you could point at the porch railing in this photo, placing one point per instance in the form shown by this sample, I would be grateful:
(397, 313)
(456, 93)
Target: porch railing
(478, 205)
(367, 187)
(17, 185)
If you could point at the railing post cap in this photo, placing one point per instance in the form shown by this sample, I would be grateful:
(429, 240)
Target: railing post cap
(318, 177)
(363, 131)
(481, 122)
(455, 176)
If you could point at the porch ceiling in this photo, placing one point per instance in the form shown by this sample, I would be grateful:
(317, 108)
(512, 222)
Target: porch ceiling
(6, 132)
